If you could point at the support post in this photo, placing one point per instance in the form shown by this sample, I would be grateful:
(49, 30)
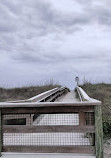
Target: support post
(28, 119)
(0, 133)
(98, 132)
(82, 121)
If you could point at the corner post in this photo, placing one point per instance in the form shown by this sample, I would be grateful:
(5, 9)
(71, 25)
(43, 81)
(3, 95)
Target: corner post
(98, 132)
(0, 134)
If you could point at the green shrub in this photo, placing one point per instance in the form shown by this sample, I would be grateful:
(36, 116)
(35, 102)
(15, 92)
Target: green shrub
(107, 127)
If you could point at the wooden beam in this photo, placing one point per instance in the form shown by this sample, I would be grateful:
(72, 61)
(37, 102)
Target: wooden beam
(47, 104)
(14, 116)
(98, 132)
(47, 129)
(82, 121)
(50, 149)
(47, 110)
(0, 133)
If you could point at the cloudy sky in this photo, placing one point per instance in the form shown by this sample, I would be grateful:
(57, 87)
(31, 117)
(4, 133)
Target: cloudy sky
(42, 40)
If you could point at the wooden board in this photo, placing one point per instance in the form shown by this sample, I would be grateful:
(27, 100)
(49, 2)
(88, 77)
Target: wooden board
(50, 149)
(47, 104)
(47, 129)
(47, 110)
(82, 120)
(0, 133)
(98, 132)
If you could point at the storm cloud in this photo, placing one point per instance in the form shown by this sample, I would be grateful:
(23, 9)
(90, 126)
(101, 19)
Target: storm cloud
(45, 39)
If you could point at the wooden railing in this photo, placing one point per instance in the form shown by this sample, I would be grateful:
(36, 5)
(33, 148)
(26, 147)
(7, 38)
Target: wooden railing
(49, 95)
(98, 120)
(82, 128)
(64, 128)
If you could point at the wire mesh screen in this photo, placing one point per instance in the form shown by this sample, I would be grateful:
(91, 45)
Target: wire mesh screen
(57, 119)
(47, 138)
(17, 119)
(89, 117)
(41, 119)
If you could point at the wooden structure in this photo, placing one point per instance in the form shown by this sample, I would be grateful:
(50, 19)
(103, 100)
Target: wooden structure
(52, 137)
(98, 121)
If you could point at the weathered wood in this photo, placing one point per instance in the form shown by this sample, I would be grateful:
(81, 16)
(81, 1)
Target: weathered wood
(47, 129)
(15, 116)
(0, 134)
(98, 132)
(46, 107)
(28, 120)
(44, 96)
(53, 97)
(50, 149)
(53, 94)
(84, 97)
(47, 104)
(82, 118)
(47, 110)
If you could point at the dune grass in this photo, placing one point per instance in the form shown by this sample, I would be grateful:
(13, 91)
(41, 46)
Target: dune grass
(24, 92)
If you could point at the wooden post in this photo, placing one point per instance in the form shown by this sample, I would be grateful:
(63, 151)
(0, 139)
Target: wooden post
(28, 120)
(98, 132)
(82, 121)
(0, 134)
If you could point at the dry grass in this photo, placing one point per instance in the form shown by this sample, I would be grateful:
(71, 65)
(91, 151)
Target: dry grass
(24, 92)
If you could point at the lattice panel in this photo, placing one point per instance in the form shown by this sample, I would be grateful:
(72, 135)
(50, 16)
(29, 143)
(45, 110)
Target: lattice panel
(47, 139)
(57, 119)
(89, 117)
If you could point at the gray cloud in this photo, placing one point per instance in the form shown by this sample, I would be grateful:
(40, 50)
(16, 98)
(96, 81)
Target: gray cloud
(37, 15)
(103, 16)
(37, 39)
(98, 11)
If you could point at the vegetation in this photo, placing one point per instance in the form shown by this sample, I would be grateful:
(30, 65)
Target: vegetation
(102, 92)
(24, 92)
